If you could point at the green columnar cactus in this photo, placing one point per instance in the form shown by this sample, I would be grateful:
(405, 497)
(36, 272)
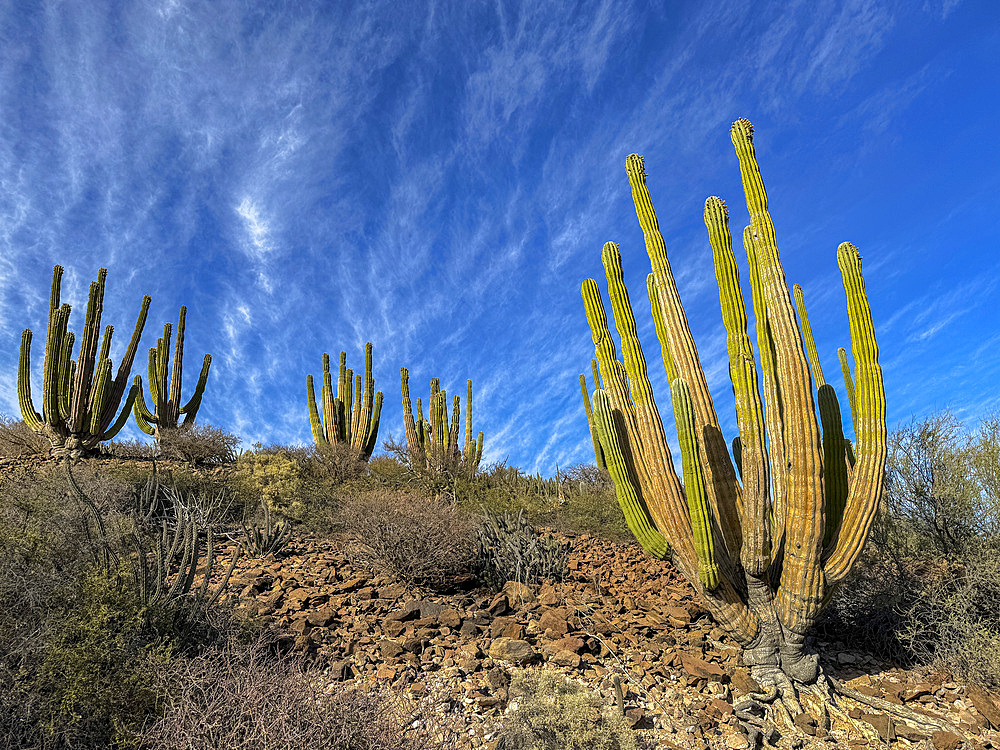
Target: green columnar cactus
(764, 546)
(79, 397)
(598, 453)
(351, 417)
(166, 396)
(433, 444)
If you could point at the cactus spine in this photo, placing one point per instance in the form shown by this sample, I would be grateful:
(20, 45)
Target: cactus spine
(166, 396)
(352, 416)
(79, 397)
(767, 544)
(433, 443)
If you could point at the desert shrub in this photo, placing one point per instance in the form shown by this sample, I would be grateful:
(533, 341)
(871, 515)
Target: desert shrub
(339, 462)
(550, 712)
(18, 440)
(129, 449)
(198, 444)
(953, 619)
(418, 540)
(277, 477)
(251, 698)
(510, 548)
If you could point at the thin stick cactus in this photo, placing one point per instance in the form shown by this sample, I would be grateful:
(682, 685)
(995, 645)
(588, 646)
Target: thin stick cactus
(767, 545)
(166, 395)
(79, 397)
(433, 443)
(351, 417)
(598, 453)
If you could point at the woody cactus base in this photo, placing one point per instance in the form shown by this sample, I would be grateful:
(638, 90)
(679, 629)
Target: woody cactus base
(79, 397)
(765, 541)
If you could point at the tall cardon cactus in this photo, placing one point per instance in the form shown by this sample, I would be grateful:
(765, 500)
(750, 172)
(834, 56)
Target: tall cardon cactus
(598, 452)
(433, 444)
(765, 541)
(350, 417)
(79, 397)
(166, 395)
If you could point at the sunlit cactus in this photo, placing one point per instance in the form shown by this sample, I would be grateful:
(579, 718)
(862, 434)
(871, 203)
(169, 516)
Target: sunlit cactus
(764, 545)
(434, 443)
(598, 453)
(165, 392)
(351, 416)
(80, 399)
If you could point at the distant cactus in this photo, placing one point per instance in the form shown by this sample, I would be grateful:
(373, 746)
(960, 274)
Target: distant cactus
(166, 396)
(79, 397)
(351, 417)
(433, 443)
(765, 545)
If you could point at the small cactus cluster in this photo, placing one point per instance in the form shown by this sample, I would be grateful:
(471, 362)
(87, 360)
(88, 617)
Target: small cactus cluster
(767, 535)
(79, 397)
(433, 443)
(510, 548)
(166, 396)
(351, 417)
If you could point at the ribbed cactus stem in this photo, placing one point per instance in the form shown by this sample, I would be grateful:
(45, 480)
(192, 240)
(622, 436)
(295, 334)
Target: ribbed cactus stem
(351, 417)
(598, 454)
(845, 370)
(807, 335)
(694, 485)
(79, 398)
(165, 384)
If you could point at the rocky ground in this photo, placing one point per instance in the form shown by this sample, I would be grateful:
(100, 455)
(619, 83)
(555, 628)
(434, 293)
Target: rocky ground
(618, 612)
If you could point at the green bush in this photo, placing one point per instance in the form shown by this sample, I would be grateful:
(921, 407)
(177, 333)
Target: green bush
(549, 712)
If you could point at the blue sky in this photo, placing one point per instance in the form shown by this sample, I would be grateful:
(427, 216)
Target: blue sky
(439, 178)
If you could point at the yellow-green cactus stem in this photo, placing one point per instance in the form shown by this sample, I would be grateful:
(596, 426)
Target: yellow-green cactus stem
(807, 335)
(753, 469)
(694, 485)
(845, 370)
(599, 460)
(80, 400)
(352, 416)
(166, 394)
(834, 461)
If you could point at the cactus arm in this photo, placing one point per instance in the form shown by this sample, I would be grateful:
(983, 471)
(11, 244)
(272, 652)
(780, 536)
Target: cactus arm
(799, 596)
(314, 422)
(125, 367)
(753, 470)
(845, 369)
(807, 335)
(66, 373)
(126, 411)
(98, 394)
(467, 445)
(86, 363)
(54, 353)
(663, 492)
(774, 419)
(737, 447)
(190, 409)
(640, 522)
(834, 461)
(31, 417)
(413, 442)
(144, 418)
(372, 439)
(598, 455)
(694, 485)
(177, 373)
(869, 469)
(363, 426)
(355, 411)
(661, 329)
(720, 476)
(343, 389)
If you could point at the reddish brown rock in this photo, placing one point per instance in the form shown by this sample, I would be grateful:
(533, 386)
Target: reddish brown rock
(700, 668)
(984, 704)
